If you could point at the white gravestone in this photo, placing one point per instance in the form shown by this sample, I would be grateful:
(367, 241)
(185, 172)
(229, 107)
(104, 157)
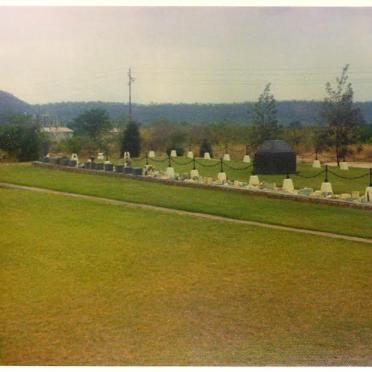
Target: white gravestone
(100, 156)
(173, 154)
(75, 157)
(253, 180)
(194, 173)
(226, 157)
(222, 177)
(190, 155)
(151, 154)
(326, 188)
(344, 165)
(246, 159)
(316, 164)
(207, 156)
(170, 172)
(368, 194)
(288, 185)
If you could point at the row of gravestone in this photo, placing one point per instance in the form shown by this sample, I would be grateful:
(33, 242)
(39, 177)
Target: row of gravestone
(206, 156)
(105, 166)
(109, 167)
(60, 161)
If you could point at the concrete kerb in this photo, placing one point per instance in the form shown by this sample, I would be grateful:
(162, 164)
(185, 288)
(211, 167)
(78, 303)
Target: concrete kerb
(256, 192)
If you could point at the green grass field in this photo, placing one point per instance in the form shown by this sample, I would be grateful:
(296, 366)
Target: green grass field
(84, 283)
(290, 213)
(340, 185)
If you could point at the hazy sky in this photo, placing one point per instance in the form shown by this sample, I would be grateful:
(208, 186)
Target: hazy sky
(182, 54)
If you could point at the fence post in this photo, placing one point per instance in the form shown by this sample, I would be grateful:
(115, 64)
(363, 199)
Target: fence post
(326, 174)
(221, 160)
(193, 163)
(147, 159)
(169, 161)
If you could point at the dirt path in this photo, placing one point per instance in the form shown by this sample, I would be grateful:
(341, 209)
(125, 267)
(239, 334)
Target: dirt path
(186, 213)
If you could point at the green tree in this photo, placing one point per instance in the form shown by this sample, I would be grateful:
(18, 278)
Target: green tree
(160, 131)
(340, 114)
(94, 124)
(23, 142)
(265, 124)
(366, 133)
(131, 140)
(75, 144)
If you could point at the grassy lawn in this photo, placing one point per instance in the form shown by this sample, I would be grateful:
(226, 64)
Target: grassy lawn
(340, 185)
(306, 215)
(84, 283)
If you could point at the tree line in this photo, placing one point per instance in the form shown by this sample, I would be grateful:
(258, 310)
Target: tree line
(340, 124)
(306, 112)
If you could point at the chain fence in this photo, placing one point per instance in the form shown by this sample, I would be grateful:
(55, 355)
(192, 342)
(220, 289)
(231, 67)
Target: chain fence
(213, 163)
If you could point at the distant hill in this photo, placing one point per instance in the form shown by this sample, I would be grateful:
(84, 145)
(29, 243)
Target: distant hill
(304, 111)
(307, 112)
(10, 104)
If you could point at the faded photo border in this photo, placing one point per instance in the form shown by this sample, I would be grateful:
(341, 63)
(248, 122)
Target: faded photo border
(185, 3)
(192, 3)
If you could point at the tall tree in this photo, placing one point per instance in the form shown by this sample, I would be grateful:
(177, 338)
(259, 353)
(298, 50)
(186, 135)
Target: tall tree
(94, 123)
(265, 124)
(341, 116)
(131, 140)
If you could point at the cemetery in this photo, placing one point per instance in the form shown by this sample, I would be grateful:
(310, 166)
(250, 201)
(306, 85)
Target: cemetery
(261, 175)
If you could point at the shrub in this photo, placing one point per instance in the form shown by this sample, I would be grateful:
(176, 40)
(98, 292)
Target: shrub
(205, 147)
(24, 142)
(131, 140)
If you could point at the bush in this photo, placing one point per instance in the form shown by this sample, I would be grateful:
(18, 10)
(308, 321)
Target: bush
(205, 147)
(25, 142)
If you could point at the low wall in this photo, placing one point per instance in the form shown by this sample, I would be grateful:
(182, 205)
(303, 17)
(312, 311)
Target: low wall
(263, 193)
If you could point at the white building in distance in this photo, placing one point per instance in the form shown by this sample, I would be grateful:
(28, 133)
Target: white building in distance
(58, 133)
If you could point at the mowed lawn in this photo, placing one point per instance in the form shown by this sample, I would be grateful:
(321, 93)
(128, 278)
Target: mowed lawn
(93, 284)
(247, 207)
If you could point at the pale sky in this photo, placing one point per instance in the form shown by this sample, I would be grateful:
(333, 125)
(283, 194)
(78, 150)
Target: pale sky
(182, 54)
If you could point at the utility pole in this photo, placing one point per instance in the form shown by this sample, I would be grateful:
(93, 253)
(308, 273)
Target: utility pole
(130, 81)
